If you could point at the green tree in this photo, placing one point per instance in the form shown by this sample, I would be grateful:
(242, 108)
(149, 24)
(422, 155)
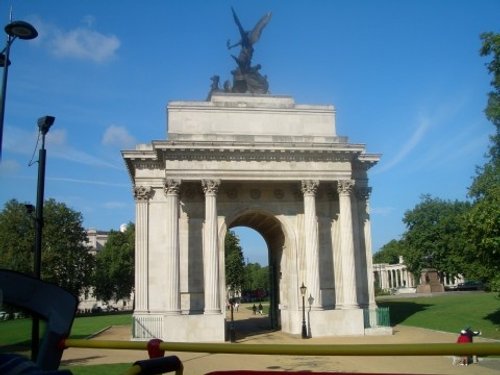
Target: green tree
(17, 236)
(114, 272)
(65, 257)
(66, 260)
(434, 236)
(390, 252)
(234, 262)
(482, 222)
(257, 277)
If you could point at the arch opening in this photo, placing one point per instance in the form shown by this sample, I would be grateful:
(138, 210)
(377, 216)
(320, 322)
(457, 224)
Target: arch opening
(269, 227)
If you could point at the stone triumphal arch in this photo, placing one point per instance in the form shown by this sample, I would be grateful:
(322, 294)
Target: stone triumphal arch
(264, 162)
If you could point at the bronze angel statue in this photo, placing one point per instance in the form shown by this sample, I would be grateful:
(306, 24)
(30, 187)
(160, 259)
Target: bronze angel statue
(246, 78)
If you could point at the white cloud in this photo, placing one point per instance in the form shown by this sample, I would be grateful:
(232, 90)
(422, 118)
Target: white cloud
(382, 211)
(118, 136)
(23, 143)
(60, 148)
(87, 182)
(411, 143)
(83, 43)
(9, 166)
(113, 205)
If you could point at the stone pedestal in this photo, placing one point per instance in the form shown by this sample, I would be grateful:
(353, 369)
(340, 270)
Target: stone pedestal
(429, 282)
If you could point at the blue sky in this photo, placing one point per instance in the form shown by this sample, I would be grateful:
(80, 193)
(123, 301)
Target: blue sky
(405, 77)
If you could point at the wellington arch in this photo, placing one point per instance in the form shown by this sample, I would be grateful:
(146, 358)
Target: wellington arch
(268, 163)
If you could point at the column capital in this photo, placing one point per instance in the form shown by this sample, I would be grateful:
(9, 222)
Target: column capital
(172, 186)
(143, 193)
(210, 186)
(345, 186)
(309, 186)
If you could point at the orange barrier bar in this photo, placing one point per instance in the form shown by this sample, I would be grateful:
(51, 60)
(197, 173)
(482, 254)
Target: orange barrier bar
(481, 349)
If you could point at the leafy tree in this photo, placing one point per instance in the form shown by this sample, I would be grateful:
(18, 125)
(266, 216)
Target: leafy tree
(257, 277)
(482, 222)
(434, 236)
(390, 252)
(234, 262)
(17, 236)
(114, 272)
(65, 257)
(66, 260)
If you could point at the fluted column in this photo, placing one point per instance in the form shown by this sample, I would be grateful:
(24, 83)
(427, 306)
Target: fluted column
(211, 248)
(142, 194)
(309, 189)
(364, 195)
(350, 299)
(173, 297)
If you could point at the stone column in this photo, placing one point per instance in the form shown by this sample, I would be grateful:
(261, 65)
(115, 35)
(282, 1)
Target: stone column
(211, 248)
(350, 298)
(142, 194)
(309, 189)
(364, 195)
(172, 294)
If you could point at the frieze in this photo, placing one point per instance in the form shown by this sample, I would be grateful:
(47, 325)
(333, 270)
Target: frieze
(283, 155)
(255, 193)
(232, 193)
(149, 165)
(279, 193)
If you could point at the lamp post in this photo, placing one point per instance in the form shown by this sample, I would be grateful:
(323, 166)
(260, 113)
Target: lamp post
(44, 124)
(15, 29)
(303, 289)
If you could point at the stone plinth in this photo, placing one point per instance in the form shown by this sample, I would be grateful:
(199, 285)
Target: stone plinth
(429, 282)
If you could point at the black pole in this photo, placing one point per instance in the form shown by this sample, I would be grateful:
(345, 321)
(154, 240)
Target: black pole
(35, 331)
(304, 328)
(232, 333)
(4, 89)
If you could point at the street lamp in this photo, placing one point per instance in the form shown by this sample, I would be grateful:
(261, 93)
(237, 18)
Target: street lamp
(44, 124)
(16, 29)
(303, 289)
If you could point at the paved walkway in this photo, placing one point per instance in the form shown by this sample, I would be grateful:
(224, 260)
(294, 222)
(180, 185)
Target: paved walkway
(252, 329)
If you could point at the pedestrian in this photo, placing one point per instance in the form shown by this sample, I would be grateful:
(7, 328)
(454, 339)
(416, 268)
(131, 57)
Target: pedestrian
(463, 338)
(470, 333)
(260, 309)
(236, 306)
(254, 309)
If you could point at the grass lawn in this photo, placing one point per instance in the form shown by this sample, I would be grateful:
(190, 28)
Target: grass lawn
(15, 335)
(450, 312)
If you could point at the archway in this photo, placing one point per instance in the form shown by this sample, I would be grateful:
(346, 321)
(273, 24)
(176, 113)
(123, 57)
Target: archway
(239, 160)
(271, 231)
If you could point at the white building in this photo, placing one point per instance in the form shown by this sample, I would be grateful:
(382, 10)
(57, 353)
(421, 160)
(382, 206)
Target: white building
(396, 278)
(96, 240)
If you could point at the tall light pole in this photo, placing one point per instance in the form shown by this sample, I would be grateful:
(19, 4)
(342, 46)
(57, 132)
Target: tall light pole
(14, 30)
(44, 124)
(303, 289)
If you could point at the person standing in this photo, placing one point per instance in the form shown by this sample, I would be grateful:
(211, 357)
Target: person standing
(260, 309)
(463, 338)
(254, 309)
